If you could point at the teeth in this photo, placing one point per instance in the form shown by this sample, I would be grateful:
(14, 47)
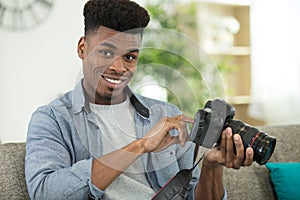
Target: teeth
(113, 81)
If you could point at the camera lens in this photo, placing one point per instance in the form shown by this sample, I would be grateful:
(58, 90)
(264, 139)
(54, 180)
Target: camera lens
(262, 144)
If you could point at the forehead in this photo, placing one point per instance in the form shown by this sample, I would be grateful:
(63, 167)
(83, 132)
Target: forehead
(116, 39)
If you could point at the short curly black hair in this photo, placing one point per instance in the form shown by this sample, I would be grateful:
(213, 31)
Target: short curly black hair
(120, 15)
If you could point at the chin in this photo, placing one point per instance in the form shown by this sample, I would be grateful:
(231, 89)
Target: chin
(109, 97)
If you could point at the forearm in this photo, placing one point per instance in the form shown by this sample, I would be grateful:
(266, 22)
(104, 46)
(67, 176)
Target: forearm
(107, 168)
(68, 183)
(210, 185)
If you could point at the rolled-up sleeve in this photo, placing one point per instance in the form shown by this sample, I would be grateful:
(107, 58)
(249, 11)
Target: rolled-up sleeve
(50, 170)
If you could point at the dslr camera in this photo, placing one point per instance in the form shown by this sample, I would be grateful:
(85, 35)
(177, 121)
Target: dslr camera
(218, 115)
(208, 126)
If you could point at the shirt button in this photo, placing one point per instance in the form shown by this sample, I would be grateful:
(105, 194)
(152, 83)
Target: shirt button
(172, 153)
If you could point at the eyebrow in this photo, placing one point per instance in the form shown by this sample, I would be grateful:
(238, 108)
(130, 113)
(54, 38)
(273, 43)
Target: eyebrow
(109, 45)
(133, 50)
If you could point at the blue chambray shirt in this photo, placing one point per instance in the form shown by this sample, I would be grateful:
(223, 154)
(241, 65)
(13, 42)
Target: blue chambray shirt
(63, 139)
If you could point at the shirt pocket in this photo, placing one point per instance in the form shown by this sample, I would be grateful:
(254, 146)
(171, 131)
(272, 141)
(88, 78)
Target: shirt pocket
(165, 164)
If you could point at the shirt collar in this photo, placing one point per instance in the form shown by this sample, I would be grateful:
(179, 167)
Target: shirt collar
(80, 101)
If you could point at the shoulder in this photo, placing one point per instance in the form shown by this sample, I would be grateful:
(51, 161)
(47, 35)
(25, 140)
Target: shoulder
(57, 107)
(50, 120)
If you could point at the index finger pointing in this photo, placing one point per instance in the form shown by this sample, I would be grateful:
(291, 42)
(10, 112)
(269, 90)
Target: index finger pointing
(186, 119)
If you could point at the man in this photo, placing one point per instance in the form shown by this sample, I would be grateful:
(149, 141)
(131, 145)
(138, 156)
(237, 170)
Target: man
(101, 141)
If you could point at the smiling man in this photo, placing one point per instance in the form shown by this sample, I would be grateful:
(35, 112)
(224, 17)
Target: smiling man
(109, 63)
(102, 141)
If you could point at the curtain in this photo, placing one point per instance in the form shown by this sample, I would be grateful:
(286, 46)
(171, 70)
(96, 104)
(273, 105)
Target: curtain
(275, 58)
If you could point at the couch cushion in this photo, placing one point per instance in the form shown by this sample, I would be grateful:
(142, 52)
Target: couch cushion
(287, 142)
(12, 176)
(254, 182)
(285, 178)
(248, 183)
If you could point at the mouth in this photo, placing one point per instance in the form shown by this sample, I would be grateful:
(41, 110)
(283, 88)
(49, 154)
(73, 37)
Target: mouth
(114, 81)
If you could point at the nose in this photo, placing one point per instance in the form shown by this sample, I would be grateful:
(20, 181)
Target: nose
(118, 65)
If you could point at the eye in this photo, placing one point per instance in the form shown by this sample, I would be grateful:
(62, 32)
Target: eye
(106, 53)
(130, 57)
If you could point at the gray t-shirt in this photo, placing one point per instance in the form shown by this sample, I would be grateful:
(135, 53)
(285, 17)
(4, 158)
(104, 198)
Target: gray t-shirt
(118, 129)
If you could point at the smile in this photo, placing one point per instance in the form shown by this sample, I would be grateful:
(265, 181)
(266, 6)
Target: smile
(113, 81)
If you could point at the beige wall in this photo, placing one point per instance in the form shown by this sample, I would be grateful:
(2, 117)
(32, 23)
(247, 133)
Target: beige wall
(36, 65)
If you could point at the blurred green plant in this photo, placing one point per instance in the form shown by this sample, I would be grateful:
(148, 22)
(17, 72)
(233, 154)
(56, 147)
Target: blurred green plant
(173, 60)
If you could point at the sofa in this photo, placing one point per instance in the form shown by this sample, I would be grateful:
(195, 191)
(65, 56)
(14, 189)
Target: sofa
(254, 182)
(12, 175)
(247, 183)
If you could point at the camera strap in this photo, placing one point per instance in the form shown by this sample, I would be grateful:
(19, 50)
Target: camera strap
(177, 188)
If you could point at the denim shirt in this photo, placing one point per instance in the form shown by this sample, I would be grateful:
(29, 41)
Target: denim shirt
(63, 139)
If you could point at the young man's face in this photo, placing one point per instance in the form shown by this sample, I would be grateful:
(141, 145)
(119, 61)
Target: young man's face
(109, 62)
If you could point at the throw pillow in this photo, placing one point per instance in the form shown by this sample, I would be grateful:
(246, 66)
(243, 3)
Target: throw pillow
(286, 179)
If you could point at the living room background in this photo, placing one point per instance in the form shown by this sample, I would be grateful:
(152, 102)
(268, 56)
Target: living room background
(41, 63)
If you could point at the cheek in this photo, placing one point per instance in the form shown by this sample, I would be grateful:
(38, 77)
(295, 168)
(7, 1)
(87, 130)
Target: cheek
(91, 60)
(94, 66)
(132, 68)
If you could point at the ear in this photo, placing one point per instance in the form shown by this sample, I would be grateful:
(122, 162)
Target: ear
(81, 47)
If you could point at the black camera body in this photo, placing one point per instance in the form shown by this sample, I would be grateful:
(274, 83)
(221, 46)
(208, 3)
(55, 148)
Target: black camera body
(208, 126)
(218, 115)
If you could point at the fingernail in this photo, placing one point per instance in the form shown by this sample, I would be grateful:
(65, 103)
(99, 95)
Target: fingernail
(249, 151)
(228, 132)
(236, 137)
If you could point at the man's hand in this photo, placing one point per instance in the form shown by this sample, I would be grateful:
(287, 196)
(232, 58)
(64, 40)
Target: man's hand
(158, 137)
(224, 154)
(210, 185)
